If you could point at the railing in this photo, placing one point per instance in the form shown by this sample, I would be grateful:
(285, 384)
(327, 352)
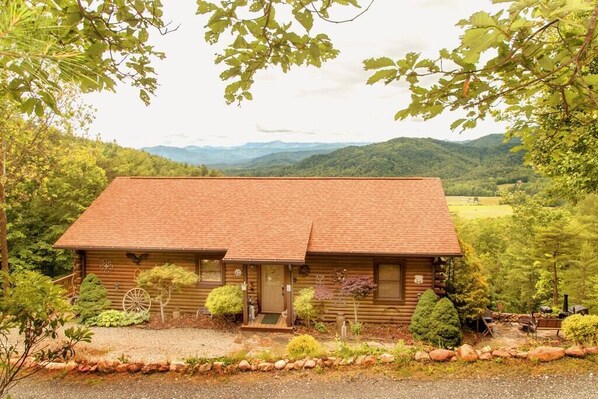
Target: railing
(68, 283)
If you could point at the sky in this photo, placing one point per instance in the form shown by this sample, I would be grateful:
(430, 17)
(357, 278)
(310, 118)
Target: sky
(327, 104)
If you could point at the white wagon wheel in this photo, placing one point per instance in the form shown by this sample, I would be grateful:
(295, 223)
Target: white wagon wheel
(137, 300)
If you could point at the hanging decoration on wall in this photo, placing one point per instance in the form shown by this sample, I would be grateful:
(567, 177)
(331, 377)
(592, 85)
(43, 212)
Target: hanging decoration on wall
(340, 275)
(320, 279)
(238, 272)
(304, 270)
(137, 259)
(106, 265)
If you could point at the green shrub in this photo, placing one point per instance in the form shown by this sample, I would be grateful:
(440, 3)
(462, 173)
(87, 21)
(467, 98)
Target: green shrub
(445, 328)
(302, 346)
(421, 319)
(225, 300)
(303, 305)
(356, 328)
(581, 329)
(117, 318)
(321, 327)
(93, 298)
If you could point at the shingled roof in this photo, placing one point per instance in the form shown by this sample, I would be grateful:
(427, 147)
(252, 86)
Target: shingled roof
(269, 219)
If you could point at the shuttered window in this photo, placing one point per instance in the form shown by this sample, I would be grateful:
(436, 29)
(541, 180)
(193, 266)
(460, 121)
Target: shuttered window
(389, 277)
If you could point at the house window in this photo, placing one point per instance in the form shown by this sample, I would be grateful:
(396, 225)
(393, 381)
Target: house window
(389, 277)
(210, 271)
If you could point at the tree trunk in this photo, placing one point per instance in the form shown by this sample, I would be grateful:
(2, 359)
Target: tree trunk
(3, 230)
(555, 290)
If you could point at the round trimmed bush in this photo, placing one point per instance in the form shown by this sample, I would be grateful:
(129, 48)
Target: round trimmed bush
(581, 329)
(445, 328)
(225, 300)
(303, 305)
(93, 298)
(421, 319)
(303, 346)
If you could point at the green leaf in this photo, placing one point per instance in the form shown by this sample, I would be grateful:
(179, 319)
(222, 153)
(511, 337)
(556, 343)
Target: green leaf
(376, 63)
(387, 74)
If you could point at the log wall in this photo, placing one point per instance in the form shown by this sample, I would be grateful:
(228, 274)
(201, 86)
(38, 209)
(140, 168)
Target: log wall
(121, 278)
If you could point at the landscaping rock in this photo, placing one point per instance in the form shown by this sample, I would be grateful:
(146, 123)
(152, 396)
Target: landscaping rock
(575, 351)
(70, 366)
(360, 360)
(105, 367)
(422, 356)
(289, 366)
(454, 358)
(204, 368)
(387, 358)
(485, 356)
(467, 353)
(55, 366)
(134, 367)
(329, 363)
(150, 368)
(441, 355)
(244, 365)
(521, 355)
(281, 364)
(122, 368)
(83, 368)
(93, 368)
(309, 364)
(486, 349)
(546, 354)
(178, 365)
(299, 364)
(369, 361)
(503, 353)
(266, 366)
(218, 367)
(593, 350)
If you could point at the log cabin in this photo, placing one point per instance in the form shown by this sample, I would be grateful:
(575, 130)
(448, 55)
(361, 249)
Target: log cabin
(273, 237)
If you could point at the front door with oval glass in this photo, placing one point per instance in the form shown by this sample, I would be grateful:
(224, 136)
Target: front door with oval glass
(272, 286)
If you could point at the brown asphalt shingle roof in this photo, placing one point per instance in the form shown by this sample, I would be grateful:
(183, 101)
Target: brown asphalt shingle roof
(269, 219)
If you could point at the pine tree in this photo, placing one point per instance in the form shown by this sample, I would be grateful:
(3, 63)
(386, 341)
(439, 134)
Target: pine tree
(93, 298)
(445, 329)
(420, 321)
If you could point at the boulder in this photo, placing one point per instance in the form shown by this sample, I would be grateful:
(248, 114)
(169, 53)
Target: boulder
(290, 366)
(164, 367)
(503, 353)
(218, 367)
(178, 365)
(83, 368)
(441, 355)
(105, 367)
(546, 354)
(299, 364)
(122, 368)
(204, 368)
(281, 364)
(521, 355)
(265, 366)
(369, 361)
(575, 351)
(485, 356)
(55, 366)
(593, 350)
(360, 360)
(244, 365)
(422, 356)
(486, 349)
(387, 358)
(309, 364)
(134, 367)
(150, 368)
(467, 353)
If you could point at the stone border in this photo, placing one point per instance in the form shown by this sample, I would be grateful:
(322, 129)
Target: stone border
(465, 353)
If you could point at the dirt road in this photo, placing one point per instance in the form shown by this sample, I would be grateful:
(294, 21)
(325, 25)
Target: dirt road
(308, 385)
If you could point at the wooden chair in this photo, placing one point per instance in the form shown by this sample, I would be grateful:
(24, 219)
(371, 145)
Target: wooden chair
(489, 323)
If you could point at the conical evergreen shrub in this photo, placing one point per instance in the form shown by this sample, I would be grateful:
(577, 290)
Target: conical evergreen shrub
(420, 321)
(93, 298)
(445, 329)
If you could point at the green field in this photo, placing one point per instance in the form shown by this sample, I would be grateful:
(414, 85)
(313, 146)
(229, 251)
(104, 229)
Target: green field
(487, 207)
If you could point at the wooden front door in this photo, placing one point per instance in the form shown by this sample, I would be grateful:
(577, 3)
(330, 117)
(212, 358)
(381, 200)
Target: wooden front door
(272, 288)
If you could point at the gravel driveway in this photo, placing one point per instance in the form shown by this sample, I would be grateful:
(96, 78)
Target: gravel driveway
(307, 386)
(142, 345)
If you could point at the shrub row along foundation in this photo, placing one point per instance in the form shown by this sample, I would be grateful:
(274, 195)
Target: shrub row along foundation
(464, 353)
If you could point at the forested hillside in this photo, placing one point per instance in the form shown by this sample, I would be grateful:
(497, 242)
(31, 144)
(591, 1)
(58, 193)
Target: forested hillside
(472, 168)
(45, 197)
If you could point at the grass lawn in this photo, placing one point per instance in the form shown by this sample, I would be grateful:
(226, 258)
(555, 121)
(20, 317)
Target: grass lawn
(487, 207)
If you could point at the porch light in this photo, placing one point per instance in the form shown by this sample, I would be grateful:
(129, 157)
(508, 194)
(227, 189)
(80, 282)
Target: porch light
(244, 286)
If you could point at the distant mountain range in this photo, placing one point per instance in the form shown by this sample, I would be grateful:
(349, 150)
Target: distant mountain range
(472, 167)
(247, 155)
